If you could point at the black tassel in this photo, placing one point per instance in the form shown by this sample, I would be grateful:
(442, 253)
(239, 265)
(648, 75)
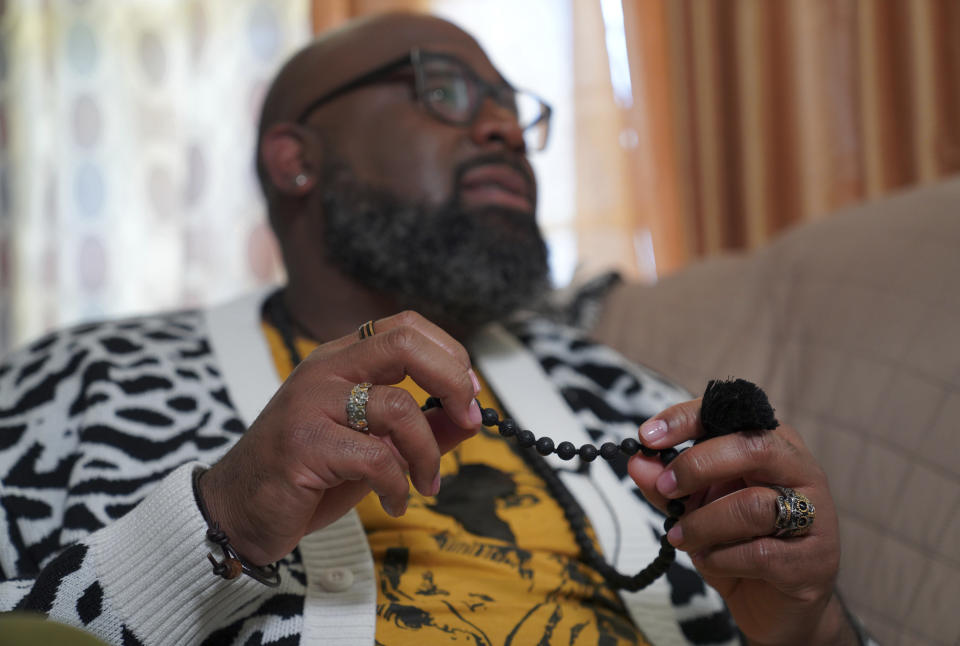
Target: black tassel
(738, 405)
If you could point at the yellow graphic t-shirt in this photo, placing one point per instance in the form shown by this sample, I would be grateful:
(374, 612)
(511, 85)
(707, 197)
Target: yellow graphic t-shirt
(490, 560)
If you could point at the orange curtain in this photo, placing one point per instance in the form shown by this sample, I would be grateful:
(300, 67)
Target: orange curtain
(626, 189)
(749, 116)
(327, 14)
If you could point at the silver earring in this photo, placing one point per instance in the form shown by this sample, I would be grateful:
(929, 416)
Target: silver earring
(300, 179)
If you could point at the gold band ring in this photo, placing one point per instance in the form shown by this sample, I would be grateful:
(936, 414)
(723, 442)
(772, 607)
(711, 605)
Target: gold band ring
(366, 329)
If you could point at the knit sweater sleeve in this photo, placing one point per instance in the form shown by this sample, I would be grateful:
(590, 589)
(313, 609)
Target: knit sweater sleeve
(142, 579)
(101, 429)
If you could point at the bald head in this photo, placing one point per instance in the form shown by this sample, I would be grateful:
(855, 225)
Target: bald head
(346, 53)
(350, 51)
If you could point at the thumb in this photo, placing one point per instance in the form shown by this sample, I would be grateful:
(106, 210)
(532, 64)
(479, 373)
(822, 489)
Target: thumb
(446, 432)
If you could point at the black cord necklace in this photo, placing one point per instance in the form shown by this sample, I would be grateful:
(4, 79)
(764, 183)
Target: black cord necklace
(727, 407)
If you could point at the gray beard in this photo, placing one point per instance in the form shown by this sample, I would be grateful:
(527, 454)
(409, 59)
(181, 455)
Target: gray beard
(455, 266)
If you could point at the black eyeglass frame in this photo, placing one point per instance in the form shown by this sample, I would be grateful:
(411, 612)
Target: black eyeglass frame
(415, 58)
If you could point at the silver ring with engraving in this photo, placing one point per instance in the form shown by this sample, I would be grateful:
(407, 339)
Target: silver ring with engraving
(795, 513)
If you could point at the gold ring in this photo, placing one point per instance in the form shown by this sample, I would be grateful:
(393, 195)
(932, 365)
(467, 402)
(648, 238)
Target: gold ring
(366, 329)
(795, 513)
(357, 407)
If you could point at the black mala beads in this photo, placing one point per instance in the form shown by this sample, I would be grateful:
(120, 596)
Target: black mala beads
(574, 515)
(728, 406)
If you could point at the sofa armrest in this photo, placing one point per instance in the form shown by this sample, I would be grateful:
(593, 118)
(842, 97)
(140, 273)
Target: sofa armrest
(852, 326)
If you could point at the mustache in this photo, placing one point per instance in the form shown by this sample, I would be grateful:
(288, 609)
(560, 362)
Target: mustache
(491, 159)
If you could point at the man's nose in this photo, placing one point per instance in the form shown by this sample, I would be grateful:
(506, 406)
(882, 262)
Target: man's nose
(496, 123)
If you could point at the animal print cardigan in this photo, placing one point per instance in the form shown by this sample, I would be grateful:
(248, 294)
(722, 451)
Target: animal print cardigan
(103, 425)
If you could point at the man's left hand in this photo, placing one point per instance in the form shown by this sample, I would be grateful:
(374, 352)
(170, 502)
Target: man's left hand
(780, 590)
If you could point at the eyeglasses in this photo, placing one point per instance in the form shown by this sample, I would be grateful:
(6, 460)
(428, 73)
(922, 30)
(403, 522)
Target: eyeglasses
(450, 91)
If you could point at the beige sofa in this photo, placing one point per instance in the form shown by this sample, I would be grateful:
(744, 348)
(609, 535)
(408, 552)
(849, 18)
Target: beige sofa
(852, 325)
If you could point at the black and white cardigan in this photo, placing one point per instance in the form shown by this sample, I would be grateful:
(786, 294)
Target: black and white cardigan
(102, 426)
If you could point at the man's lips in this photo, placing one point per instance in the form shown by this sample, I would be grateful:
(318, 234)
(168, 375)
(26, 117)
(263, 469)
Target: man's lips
(497, 184)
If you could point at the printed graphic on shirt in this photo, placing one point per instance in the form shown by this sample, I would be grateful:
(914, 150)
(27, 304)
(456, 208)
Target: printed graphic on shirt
(490, 560)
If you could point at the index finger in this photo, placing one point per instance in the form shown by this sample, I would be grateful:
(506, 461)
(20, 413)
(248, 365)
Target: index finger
(387, 358)
(406, 318)
(672, 426)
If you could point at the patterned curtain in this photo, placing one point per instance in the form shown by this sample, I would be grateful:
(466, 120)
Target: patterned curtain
(126, 139)
(5, 214)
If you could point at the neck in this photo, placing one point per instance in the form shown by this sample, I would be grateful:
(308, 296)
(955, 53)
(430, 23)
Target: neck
(334, 306)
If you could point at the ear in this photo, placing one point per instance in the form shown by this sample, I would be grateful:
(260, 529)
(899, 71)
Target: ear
(289, 164)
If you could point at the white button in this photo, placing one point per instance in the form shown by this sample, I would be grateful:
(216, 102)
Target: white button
(335, 579)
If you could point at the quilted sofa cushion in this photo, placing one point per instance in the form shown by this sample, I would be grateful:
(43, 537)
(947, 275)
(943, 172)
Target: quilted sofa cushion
(852, 325)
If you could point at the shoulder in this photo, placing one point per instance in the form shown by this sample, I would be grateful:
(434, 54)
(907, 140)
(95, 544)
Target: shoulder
(63, 360)
(570, 357)
(114, 336)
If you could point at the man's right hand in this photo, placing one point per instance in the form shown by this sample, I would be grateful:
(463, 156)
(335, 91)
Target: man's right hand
(300, 467)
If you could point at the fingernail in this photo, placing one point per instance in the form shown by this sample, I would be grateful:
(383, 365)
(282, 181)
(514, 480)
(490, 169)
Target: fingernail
(475, 415)
(435, 488)
(675, 535)
(392, 509)
(667, 482)
(653, 429)
(476, 382)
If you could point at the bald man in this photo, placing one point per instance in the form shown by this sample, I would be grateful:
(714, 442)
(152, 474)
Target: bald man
(393, 158)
